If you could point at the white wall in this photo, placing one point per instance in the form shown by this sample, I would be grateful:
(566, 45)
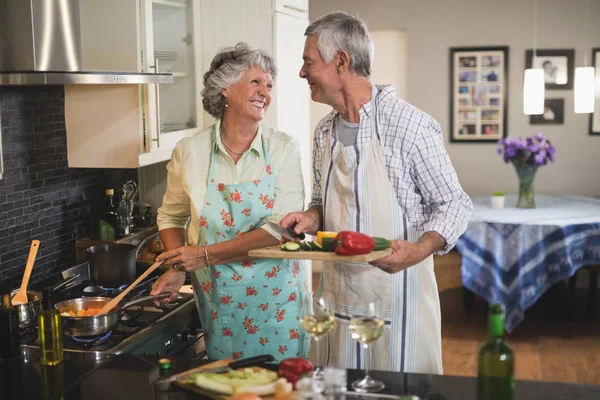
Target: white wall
(433, 26)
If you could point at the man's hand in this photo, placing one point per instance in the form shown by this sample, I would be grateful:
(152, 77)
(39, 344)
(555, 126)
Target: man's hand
(169, 282)
(308, 221)
(406, 254)
(184, 258)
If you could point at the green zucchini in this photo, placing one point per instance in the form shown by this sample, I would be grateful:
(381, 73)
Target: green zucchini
(381, 243)
(290, 246)
(317, 246)
(328, 244)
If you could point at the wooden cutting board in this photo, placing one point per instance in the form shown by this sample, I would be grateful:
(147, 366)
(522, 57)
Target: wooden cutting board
(218, 396)
(276, 252)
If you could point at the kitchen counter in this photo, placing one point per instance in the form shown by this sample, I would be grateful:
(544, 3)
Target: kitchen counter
(130, 377)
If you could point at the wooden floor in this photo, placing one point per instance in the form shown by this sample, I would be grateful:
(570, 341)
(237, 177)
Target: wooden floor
(556, 341)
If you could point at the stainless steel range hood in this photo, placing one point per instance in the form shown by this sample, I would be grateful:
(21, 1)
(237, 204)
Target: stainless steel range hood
(40, 44)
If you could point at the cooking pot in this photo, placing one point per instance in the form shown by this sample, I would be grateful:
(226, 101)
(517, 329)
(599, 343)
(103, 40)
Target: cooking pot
(95, 324)
(29, 311)
(112, 264)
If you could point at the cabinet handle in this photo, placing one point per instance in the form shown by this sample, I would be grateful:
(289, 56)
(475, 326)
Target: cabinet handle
(157, 98)
(294, 8)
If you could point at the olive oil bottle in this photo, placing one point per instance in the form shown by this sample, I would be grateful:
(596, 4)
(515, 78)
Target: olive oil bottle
(495, 378)
(50, 332)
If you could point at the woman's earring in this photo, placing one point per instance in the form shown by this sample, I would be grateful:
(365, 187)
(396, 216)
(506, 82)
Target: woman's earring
(226, 102)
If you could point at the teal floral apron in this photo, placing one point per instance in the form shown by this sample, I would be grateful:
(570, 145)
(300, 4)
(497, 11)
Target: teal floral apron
(252, 307)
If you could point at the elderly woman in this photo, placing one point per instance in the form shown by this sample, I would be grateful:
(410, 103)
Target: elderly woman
(230, 179)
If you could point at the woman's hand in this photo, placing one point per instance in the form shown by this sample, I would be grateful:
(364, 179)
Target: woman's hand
(184, 258)
(169, 282)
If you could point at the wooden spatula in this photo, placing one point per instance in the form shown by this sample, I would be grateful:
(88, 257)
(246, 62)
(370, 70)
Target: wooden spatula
(21, 296)
(111, 304)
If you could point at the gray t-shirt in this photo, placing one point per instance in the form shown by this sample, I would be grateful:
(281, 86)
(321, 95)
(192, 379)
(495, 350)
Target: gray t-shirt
(347, 132)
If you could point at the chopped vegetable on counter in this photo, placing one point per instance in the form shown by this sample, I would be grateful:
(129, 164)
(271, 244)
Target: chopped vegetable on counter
(293, 369)
(349, 243)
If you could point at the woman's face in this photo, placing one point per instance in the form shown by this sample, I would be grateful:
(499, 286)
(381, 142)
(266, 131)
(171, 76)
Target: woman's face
(250, 97)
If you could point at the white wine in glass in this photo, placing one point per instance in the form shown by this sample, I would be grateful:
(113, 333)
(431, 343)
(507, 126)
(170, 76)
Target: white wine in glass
(366, 326)
(317, 321)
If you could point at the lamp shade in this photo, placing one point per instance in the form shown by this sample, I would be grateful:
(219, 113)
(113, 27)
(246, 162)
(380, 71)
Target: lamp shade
(533, 92)
(584, 90)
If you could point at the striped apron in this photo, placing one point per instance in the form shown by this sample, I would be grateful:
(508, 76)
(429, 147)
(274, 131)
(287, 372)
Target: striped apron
(358, 196)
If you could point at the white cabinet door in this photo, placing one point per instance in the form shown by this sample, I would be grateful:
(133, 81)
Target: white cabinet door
(297, 8)
(172, 44)
(292, 94)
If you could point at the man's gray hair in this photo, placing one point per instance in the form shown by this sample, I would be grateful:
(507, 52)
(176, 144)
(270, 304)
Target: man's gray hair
(341, 31)
(226, 69)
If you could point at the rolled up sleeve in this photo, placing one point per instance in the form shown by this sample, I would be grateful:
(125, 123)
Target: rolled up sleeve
(175, 209)
(289, 186)
(446, 206)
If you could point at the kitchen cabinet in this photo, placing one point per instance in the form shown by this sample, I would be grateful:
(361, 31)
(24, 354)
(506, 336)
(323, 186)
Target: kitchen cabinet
(128, 126)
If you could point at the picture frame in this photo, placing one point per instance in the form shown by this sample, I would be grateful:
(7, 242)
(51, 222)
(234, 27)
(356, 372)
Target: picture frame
(558, 66)
(595, 116)
(478, 94)
(554, 113)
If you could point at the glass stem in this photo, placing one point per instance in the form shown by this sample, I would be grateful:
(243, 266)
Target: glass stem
(318, 347)
(367, 354)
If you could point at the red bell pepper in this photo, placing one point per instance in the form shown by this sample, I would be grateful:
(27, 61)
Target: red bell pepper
(294, 369)
(349, 243)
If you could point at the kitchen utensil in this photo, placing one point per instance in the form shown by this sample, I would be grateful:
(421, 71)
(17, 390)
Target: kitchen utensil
(92, 290)
(111, 304)
(243, 363)
(151, 244)
(125, 210)
(276, 252)
(65, 283)
(287, 233)
(21, 296)
(112, 264)
(29, 311)
(96, 324)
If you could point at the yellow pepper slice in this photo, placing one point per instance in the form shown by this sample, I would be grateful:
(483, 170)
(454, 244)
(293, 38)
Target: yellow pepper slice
(325, 234)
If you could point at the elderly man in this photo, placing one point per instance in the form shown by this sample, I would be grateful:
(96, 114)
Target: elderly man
(380, 168)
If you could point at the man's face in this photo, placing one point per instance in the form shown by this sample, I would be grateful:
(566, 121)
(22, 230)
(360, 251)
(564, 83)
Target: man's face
(322, 78)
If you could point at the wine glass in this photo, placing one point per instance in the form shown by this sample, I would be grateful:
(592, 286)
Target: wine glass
(317, 321)
(366, 327)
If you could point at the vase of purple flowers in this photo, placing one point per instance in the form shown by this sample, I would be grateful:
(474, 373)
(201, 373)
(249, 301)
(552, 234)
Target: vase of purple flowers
(527, 155)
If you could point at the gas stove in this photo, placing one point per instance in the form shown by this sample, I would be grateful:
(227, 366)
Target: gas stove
(172, 329)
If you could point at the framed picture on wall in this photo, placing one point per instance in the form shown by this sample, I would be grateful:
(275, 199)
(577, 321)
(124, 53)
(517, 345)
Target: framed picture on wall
(595, 116)
(478, 94)
(558, 66)
(554, 113)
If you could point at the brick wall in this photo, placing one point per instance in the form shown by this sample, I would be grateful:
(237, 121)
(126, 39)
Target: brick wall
(40, 196)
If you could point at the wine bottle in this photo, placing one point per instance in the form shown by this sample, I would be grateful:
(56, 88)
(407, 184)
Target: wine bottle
(495, 378)
(50, 332)
(108, 218)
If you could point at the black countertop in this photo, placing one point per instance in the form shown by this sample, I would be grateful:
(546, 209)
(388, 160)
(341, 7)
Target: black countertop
(130, 377)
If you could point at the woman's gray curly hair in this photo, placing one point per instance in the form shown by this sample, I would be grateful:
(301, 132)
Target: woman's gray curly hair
(226, 69)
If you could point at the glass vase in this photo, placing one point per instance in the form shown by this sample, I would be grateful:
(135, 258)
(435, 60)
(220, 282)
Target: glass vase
(526, 174)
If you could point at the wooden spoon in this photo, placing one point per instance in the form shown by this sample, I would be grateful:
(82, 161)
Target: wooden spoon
(21, 296)
(111, 304)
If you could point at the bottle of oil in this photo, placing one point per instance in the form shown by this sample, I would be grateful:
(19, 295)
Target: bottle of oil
(50, 332)
(53, 382)
(9, 327)
(108, 218)
(495, 378)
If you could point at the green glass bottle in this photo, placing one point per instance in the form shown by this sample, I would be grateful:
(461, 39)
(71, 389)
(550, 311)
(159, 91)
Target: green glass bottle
(495, 378)
(108, 218)
(50, 332)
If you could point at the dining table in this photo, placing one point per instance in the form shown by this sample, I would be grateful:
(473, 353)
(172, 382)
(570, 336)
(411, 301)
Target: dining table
(512, 256)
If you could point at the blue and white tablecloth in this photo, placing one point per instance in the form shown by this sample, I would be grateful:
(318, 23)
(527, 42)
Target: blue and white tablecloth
(511, 256)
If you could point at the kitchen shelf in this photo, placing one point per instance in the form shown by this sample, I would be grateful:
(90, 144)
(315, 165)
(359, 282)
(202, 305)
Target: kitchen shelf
(170, 3)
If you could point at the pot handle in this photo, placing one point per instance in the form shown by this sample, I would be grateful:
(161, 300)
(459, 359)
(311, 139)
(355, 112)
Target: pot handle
(145, 299)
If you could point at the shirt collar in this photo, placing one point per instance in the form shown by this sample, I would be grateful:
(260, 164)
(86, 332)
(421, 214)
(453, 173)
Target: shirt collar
(256, 146)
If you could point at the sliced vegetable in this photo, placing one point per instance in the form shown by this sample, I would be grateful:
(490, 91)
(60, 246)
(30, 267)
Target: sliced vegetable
(349, 243)
(203, 381)
(293, 369)
(325, 234)
(318, 246)
(381, 244)
(290, 246)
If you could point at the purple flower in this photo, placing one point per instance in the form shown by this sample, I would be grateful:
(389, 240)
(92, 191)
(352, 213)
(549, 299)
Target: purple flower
(539, 136)
(533, 151)
(534, 148)
(540, 158)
